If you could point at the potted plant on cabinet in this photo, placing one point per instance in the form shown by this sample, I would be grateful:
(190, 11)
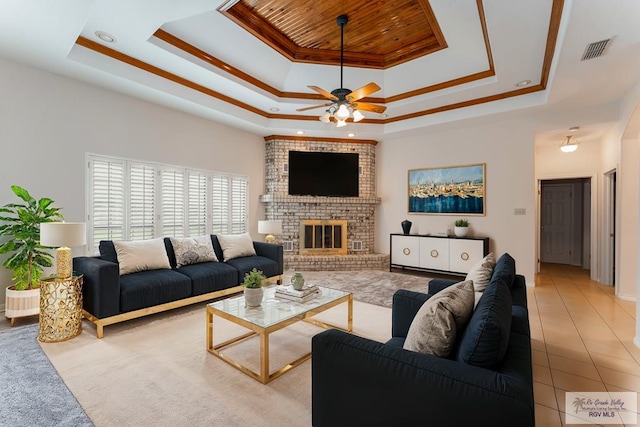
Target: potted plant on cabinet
(21, 222)
(461, 227)
(253, 291)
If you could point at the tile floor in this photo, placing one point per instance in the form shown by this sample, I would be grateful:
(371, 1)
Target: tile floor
(582, 340)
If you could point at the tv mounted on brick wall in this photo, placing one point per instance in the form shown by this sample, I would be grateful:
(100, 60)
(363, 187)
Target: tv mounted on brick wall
(313, 173)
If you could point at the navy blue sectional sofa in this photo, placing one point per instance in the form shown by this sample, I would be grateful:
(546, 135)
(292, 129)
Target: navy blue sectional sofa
(110, 298)
(486, 382)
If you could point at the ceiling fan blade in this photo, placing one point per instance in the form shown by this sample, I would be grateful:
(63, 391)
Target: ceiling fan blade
(312, 107)
(369, 107)
(362, 92)
(324, 93)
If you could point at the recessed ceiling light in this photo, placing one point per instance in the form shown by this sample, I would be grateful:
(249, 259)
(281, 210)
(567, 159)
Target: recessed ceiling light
(105, 37)
(300, 132)
(274, 109)
(523, 83)
(351, 134)
(384, 116)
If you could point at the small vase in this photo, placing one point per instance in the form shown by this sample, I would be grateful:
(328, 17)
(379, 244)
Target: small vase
(461, 231)
(297, 281)
(253, 296)
(406, 226)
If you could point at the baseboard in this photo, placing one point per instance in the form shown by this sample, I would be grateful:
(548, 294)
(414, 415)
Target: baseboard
(627, 297)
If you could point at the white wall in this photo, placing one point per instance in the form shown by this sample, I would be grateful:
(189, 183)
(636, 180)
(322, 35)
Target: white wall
(50, 122)
(507, 148)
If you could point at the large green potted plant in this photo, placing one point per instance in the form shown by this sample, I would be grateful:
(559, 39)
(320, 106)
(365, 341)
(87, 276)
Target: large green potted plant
(27, 258)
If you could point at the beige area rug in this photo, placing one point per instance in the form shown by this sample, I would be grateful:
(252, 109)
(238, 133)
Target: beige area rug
(155, 371)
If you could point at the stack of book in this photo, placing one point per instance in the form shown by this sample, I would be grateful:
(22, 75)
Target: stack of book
(308, 292)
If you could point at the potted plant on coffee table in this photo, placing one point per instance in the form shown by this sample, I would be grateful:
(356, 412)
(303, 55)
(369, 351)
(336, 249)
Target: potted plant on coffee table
(21, 223)
(253, 291)
(461, 227)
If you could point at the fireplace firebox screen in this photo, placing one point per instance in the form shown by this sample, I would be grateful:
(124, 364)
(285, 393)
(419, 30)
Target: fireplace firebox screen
(328, 237)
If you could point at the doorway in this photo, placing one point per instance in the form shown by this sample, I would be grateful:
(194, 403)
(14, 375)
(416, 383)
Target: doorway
(609, 276)
(565, 221)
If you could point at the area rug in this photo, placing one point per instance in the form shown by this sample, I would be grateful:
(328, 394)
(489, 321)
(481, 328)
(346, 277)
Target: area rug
(370, 286)
(155, 371)
(31, 391)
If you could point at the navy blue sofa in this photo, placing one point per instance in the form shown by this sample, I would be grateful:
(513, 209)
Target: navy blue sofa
(110, 298)
(486, 382)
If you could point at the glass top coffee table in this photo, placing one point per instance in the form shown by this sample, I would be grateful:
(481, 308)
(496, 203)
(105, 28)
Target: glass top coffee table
(274, 314)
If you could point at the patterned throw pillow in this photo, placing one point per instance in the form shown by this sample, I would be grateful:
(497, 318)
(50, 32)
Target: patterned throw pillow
(440, 319)
(193, 250)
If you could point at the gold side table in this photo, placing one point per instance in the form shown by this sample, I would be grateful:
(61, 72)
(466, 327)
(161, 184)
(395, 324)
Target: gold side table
(60, 308)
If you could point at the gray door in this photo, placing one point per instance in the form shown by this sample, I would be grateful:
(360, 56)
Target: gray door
(556, 217)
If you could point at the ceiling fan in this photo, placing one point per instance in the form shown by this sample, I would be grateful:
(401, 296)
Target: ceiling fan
(344, 102)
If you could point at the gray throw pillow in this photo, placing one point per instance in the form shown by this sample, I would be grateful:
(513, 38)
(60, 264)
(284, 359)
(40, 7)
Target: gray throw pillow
(436, 325)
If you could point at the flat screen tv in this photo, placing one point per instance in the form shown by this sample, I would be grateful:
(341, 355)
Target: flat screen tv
(313, 173)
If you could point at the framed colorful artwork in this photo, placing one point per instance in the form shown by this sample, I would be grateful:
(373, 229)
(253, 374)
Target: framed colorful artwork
(452, 190)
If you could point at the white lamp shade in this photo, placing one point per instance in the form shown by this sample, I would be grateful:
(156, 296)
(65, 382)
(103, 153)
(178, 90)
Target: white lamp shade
(357, 116)
(342, 113)
(63, 234)
(270, 227)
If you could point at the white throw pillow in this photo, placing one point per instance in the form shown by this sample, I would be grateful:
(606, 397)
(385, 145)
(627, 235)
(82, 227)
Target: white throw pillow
(141, 255)
(193, 250)
(236, 245)
(435, 328)
(481, 272)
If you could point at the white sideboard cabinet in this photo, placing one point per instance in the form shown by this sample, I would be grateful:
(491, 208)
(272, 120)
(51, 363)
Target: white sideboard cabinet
(452, 255)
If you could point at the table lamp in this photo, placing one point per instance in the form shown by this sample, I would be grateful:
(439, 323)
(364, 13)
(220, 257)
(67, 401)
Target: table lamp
(63, 235)
(270, 228)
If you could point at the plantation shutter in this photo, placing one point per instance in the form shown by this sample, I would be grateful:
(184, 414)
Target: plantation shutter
(197, 204)
(238, 205)
(142, 200)
(220, 204)
(106, 201)
(173, 202)
(133, 200)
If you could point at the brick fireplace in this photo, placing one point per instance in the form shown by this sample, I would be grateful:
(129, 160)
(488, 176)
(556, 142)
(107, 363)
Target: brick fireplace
(298, 213)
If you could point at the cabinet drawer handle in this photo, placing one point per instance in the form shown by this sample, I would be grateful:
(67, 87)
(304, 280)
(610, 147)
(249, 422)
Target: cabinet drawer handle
(464, 256)
(434, 253)
(406, 251)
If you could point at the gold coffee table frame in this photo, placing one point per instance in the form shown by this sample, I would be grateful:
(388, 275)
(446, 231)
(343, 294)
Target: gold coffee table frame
(305, 312)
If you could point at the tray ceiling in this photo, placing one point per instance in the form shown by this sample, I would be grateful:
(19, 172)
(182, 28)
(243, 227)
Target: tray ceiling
(248, 63)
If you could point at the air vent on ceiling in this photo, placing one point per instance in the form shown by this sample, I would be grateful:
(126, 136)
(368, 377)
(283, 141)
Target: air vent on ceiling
(595, 49)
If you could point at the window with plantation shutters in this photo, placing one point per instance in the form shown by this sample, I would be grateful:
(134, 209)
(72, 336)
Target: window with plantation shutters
(197, 203)
(238, 205)
(142, 200)
(106, 201)
(133, 200)
(220, 204)
(173, 217)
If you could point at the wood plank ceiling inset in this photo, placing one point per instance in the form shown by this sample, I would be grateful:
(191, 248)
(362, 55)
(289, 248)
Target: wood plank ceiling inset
(380, 34)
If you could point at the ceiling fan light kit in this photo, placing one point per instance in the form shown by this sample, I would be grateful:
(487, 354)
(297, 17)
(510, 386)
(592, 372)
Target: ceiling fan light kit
(343, 101)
